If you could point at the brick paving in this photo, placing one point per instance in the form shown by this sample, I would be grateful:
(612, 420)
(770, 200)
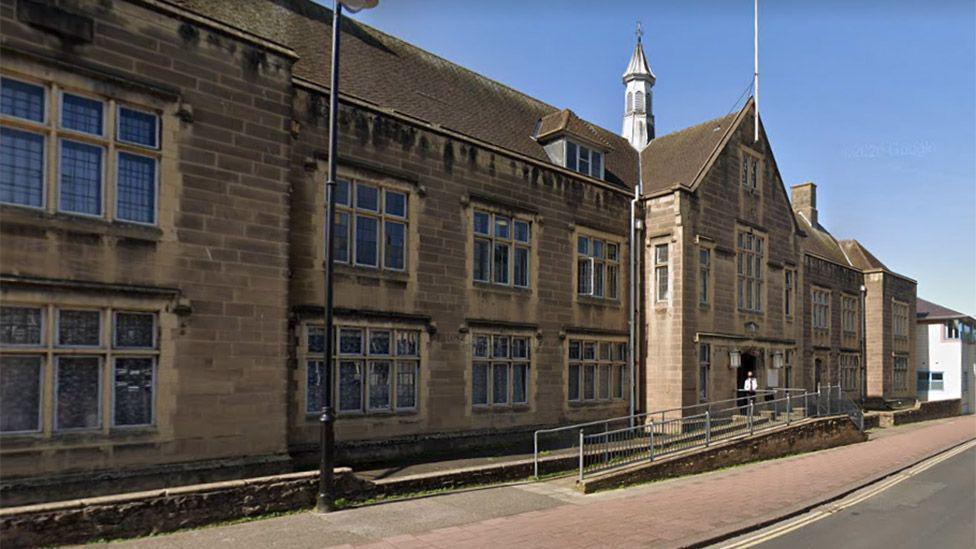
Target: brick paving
(670, 513)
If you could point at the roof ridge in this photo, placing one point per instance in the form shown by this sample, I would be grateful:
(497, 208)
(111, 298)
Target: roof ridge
(471, 72)
(694, 127)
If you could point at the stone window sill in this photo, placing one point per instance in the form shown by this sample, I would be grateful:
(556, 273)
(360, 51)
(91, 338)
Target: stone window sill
(366, 274)
(598, 302)
(501, 289)
(11, 216)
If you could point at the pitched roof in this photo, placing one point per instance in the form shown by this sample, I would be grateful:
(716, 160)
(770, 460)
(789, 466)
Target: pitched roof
(677, 158)
(821, 242)
(566, 121)
(391, 73)
(860, 257)
(930, 311)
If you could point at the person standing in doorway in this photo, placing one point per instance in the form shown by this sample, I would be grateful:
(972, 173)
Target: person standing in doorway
(750, 386)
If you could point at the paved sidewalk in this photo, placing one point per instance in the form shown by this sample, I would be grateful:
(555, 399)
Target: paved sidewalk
(669, 513)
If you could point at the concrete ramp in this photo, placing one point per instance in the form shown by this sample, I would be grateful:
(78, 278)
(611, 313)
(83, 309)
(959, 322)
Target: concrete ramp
(801, 436)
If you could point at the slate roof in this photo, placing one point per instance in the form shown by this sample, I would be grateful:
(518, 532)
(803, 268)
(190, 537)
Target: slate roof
(393, 74)
(931, 311)
(566, 121)
(860, 257)
(821, 242)
(675, 159)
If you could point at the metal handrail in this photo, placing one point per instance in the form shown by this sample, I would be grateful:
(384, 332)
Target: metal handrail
(632, 420)
(618, 447)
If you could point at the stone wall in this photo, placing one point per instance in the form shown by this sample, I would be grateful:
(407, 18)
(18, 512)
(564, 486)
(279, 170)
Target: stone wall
(213, 267)
(146, 513)
(808, 436)
(923, 411)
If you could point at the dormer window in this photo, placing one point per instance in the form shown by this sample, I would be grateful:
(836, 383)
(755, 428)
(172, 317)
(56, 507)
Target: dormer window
(584, 160)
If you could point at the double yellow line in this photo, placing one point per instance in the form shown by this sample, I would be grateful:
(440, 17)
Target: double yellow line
(851, 500)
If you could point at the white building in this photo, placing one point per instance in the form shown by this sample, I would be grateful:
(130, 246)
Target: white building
(946, 355)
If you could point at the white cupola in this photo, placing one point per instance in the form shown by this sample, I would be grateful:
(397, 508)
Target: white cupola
(638, 114)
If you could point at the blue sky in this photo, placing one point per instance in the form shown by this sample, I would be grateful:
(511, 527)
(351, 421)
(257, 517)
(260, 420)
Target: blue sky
(873, 101)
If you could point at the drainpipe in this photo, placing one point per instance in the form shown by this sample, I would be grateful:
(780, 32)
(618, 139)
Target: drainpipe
(864, 350)
(635, 228)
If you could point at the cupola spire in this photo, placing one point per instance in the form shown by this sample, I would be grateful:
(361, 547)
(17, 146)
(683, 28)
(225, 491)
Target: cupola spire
(638, 79)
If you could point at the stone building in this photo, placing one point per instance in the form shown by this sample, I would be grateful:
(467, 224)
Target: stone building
(162, 235)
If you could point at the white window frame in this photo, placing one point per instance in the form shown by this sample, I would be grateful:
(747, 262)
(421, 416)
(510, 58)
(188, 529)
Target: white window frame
(510, 362)
(589, 159)
(662, 266)
(71, 131)
(593, 262)
(155, 212)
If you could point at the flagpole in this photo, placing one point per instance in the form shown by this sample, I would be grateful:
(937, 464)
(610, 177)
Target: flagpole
(755, 75)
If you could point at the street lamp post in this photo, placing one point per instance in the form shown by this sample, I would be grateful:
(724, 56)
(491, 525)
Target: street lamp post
(326, 497)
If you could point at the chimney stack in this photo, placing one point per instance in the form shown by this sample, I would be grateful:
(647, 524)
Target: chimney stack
(805, 201)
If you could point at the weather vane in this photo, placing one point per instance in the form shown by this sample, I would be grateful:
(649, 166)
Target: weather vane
(640, 31)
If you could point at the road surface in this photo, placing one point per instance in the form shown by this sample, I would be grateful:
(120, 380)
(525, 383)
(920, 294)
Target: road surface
(933, 508)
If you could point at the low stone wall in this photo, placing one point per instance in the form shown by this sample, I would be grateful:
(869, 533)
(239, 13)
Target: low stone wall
(923, 411)
(152, 512)
(157, 511)
(816, 434)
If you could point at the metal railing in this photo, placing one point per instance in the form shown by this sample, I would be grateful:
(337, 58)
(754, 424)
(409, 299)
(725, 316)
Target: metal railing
(564, 440)
(653, 438)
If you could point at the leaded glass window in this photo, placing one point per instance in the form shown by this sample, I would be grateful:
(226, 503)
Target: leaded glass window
(79, 328)
(135, 330)
(500, 370)
(21, 168)
(21, 325)
(82, 114)
(597, 370)
(376, 369)
(133, 391)
(20, 393)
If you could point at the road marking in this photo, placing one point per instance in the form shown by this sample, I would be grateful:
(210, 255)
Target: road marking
(851, 500)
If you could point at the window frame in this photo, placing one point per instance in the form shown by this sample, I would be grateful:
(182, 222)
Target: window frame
(513, 244)
(71, 131)
(704, 276)
(509, 363)
(752, 256)
(616, 364)
(353, 212)
(55, 408)
(42, 366)
(850, 315)
(751, 176)
(899, 320)
(364, 360)
(603, 261)
(789, 293)
(54, 134)
(45, 93)
(575, 164)
(820, 309)
(157, 144)
(156, 181)
(154, 367)
(659, 267)
(51, 351)
(704, 371)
